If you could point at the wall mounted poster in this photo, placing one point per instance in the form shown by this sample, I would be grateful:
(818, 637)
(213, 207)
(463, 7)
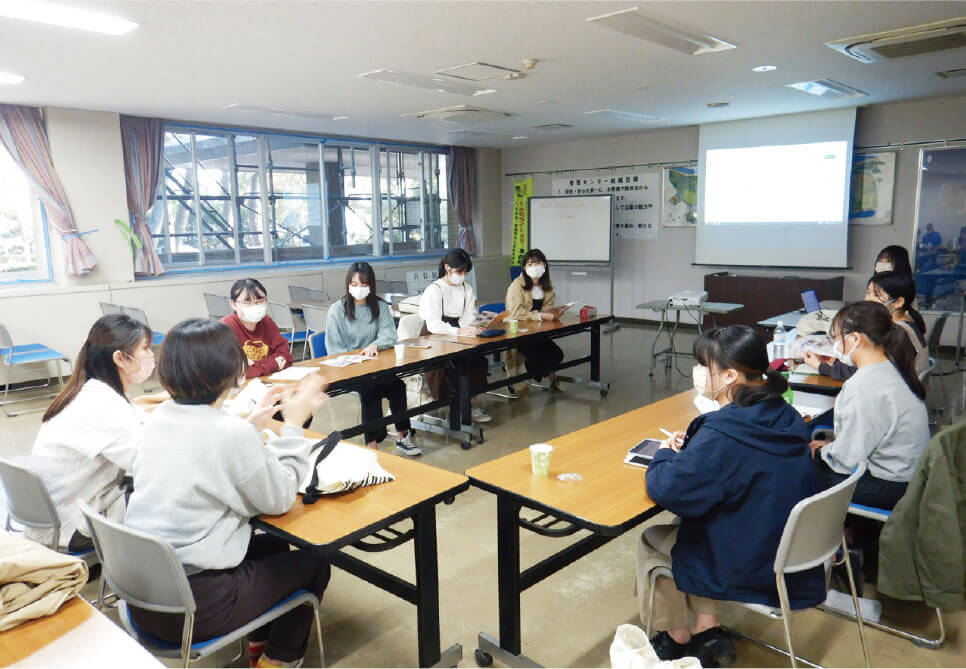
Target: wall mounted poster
(679, 202)
(873, 178)
(522, 190)
(636, 199)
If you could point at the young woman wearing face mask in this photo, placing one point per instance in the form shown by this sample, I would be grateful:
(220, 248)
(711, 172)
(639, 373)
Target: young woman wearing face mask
(736, 473)
(202, 474)
(448, 306)
(264, 346)
(893, 258)
(530, 297)
(91, 432)
(362, 320)
(895, 291)
(880, 415)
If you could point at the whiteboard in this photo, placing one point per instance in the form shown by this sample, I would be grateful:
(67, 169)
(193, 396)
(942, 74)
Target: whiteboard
(572, 228)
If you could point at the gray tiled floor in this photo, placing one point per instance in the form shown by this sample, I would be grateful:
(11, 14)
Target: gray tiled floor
(568, 619)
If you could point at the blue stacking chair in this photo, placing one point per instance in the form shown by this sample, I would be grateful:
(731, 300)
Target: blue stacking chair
(27, 354)
(497, 362)
(515, 271)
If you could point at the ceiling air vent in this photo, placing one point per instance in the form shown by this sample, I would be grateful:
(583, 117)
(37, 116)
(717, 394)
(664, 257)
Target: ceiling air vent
(952, 74)
(552, 126)
(477, 71)
(828, 88)
(913, 41)
(460, 114)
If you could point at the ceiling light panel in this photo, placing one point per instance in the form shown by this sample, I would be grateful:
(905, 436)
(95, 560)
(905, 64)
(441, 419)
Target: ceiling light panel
(431, 82)
(828, 89)
(477, 71)
(277, 111)
(53, 14)
(619, 115)
(11, 79)
(632, 22)
(460, 114)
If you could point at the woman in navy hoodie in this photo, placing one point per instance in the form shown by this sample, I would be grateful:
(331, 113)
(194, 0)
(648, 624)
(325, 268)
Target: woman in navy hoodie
(731, 480)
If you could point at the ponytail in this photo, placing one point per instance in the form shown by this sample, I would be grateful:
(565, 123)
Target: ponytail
(917, 320)
(774, 387)
(901, 354)
(741, 348)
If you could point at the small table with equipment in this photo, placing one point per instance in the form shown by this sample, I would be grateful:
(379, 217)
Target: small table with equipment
(696, 311)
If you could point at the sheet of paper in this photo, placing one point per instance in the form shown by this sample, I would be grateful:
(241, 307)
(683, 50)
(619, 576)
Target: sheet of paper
(344, 360)
(246, 399)
(293, 374)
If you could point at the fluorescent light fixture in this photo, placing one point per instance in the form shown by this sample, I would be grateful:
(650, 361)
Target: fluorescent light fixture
(519, 137)
(623, 115)
(277, 111)
(432, 82)
(54, 14)
(340, 118)
(718, 105)
(828, 88)
(10, 78)
(632, 22)
(764, 68)
(460, 114)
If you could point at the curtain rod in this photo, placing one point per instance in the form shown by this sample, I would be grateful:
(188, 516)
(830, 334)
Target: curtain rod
(899, 146)
(606, 167)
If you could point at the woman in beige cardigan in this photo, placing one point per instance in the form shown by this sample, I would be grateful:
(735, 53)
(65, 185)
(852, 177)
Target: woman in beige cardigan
(530, 297)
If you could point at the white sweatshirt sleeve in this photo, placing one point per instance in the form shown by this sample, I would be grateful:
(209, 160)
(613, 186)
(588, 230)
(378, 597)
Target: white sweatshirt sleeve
(271, 487)
(431, 311)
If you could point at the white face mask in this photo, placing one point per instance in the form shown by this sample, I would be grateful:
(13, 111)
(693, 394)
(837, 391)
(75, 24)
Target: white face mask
(699, 378)
(845, 358)
(359, 292)
(883, 266)
(144, 370)
(254, 313)
(456, 279)
(536, 271)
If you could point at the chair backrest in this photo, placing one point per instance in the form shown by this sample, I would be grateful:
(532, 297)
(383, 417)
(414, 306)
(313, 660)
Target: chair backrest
(5, 341)
(495, 307)
(218, 306)
(813, 531)
(142, 569)
(136, 314)
(932, 343)
(317, 345)
(28, 501)
(927, 372)
(298, 293)
(315, 317)
(282, 315)
(108, 308)
(515, 271)
(410, 325)
(400, 287)
(382, 287)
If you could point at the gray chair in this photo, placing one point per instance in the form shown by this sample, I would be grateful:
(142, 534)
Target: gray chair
(300, 294)
(145, 572)
(314, 324)
(29, 502)
(27, 354)
(812, 535)
(157, 338)
(282, 315)
(933, 343)
(107, 308)
(218, 306)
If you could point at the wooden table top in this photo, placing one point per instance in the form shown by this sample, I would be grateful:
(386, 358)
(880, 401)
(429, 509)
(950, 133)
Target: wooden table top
(611, 495)
(532, 328)
(77, 635)
(816, 380)
(338, 520)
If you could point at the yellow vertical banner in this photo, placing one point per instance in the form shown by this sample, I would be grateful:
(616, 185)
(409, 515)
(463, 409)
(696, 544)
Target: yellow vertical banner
(522, 190)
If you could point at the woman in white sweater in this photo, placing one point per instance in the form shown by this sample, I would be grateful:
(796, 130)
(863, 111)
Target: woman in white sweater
(91, 432)
(200, 477)
(448, 306)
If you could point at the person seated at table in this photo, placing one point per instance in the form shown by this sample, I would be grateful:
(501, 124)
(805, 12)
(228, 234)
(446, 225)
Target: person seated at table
(530, 297)
(264, 346)
(202, 474)
(880, 413)
(91, 433)
(736, 473)
(895, 291)
(448, 306)
(362, 320)
(893, 258)
(932, 238)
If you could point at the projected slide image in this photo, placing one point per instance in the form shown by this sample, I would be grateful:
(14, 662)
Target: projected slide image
(785, 184)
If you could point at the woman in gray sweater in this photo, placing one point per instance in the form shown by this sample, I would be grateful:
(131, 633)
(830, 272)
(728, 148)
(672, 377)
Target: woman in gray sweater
(360, 320)
(202, 474)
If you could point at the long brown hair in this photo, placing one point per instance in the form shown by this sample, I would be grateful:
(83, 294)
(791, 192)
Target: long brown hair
(875, 322)
(114, 332)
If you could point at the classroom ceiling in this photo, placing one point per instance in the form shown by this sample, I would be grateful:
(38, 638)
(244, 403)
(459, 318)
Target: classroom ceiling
(189, 60)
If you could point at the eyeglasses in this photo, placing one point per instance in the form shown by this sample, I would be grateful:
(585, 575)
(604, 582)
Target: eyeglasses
(253, 303)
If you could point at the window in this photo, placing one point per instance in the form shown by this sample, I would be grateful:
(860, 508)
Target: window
(24, 252)
(228, 199)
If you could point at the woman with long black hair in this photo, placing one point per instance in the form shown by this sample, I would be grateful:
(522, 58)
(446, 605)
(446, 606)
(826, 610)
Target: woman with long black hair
(530, 297)
(362, 320)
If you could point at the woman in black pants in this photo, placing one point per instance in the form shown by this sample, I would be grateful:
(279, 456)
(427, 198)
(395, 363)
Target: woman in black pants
(530, 297)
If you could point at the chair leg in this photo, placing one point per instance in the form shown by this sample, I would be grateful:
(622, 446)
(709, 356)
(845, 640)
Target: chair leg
(186, 635)
(786, 616)
(103, 588)
(318, 631)
(855, 602)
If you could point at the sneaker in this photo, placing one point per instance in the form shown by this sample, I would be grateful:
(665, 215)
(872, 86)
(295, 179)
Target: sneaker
(480, 416)
(713, 648)
(406, 446)
(667, 648)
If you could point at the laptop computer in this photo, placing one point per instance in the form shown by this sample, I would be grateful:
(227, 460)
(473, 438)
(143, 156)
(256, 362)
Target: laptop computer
(810, 299)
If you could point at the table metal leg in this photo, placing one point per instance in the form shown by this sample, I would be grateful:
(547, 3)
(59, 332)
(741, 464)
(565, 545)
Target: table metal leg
(595, 352)
(427, 593)
(660, 329)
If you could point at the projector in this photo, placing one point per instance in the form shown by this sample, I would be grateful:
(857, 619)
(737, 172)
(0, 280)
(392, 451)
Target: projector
(688, 298)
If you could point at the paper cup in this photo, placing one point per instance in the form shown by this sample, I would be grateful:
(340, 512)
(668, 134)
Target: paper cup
(513, 324)
(400, 350)
(540, 459)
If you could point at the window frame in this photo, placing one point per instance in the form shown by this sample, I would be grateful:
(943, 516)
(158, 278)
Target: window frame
(45, 271)
(330, 254)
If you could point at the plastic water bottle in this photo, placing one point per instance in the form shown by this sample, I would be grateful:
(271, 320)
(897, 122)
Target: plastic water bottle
(778, 341)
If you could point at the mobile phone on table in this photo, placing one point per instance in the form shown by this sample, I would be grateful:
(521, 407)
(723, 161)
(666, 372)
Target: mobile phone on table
(642, 454)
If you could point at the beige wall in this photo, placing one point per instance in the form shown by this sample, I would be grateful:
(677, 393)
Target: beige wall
(648, 270)
(86, 148)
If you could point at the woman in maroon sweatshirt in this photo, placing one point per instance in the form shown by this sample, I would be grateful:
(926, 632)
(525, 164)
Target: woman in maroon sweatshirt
(267, 350)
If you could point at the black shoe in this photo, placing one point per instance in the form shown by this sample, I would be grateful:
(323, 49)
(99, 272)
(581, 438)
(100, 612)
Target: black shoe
(713, 648)
(667, 648)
